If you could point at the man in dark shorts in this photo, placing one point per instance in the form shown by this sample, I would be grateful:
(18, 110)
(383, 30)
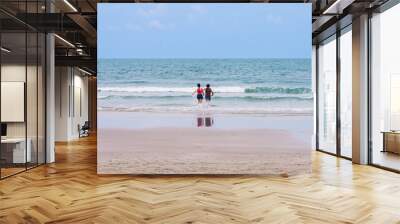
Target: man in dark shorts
(208, 93)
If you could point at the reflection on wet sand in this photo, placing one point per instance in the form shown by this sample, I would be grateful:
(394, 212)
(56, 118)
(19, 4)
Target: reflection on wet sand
(209, 121)
(205, 121)
(203, 143)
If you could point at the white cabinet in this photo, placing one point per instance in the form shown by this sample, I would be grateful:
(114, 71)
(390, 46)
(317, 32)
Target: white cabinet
(19, 155)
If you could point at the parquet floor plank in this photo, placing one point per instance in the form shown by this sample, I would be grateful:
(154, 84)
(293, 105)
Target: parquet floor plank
(70, 191)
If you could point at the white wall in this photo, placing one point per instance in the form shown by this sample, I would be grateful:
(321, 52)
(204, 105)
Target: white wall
(389, 36)
(80, 104)
(385, 67)
(62, 82)
(314, 90)
(70, 83)
(33, 126)
(16, 72)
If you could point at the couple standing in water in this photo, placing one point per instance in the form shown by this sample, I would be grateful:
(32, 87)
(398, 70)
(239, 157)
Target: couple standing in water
(206, 93)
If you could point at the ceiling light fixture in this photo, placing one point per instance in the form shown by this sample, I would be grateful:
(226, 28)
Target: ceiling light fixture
(64, 40)
(70, 5)
(84, 71)
(5, 50)
(79, 51)
(337, 7)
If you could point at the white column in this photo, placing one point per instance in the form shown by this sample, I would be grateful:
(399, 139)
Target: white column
(314, 90)
(50, 99)
(360, 90)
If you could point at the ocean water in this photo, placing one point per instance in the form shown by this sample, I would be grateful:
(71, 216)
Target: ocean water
(261, 86)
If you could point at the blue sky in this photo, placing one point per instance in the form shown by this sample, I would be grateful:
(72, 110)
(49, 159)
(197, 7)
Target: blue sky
(245, 30)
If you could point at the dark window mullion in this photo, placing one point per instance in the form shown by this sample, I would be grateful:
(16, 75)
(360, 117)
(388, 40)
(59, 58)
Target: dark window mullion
(37, 90)
(338, 81)
(0, 95)
(369, 96)
(317, 96)
(26, 87)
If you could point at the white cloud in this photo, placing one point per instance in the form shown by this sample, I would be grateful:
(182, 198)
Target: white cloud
(198, 9)
(196, 12)
(155, 10)
(133, 27)
(274, 19)
(112, 28)
(156, 24)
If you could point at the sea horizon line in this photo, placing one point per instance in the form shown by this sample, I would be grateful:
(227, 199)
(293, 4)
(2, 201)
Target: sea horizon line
(170, 58)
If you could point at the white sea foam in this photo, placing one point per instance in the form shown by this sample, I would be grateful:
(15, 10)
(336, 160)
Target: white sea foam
(144, 89)
(217, 110)
(102, 96)
(217, 89)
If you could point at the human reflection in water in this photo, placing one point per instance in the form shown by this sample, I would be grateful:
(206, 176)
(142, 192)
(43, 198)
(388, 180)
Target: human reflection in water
(200, 122)
(209, 121)
(205, 121)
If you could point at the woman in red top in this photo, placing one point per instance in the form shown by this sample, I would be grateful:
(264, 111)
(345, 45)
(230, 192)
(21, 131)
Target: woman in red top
(200, 92)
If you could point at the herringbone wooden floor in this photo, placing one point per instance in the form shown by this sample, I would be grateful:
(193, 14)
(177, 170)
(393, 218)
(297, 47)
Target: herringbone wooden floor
(70, 191)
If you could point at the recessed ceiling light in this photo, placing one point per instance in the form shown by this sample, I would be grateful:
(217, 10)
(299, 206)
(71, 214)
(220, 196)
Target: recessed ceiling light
(5, 50)
(70, 5)
(64, 40)
(84, 71)
(337, 7)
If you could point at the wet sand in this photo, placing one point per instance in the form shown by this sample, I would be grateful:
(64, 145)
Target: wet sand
(176, 144)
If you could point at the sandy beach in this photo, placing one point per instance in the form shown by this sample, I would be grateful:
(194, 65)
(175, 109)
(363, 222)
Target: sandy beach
(140, 143)
(259, 119)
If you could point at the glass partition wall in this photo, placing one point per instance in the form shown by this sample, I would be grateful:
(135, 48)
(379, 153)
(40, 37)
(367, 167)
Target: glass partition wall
(22, 107)
(13, 89)
(334, 91)
(385, 89)
(327, 95)
(345, 61)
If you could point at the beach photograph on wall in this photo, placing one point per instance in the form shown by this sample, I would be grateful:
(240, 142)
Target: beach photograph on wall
(204, 89)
